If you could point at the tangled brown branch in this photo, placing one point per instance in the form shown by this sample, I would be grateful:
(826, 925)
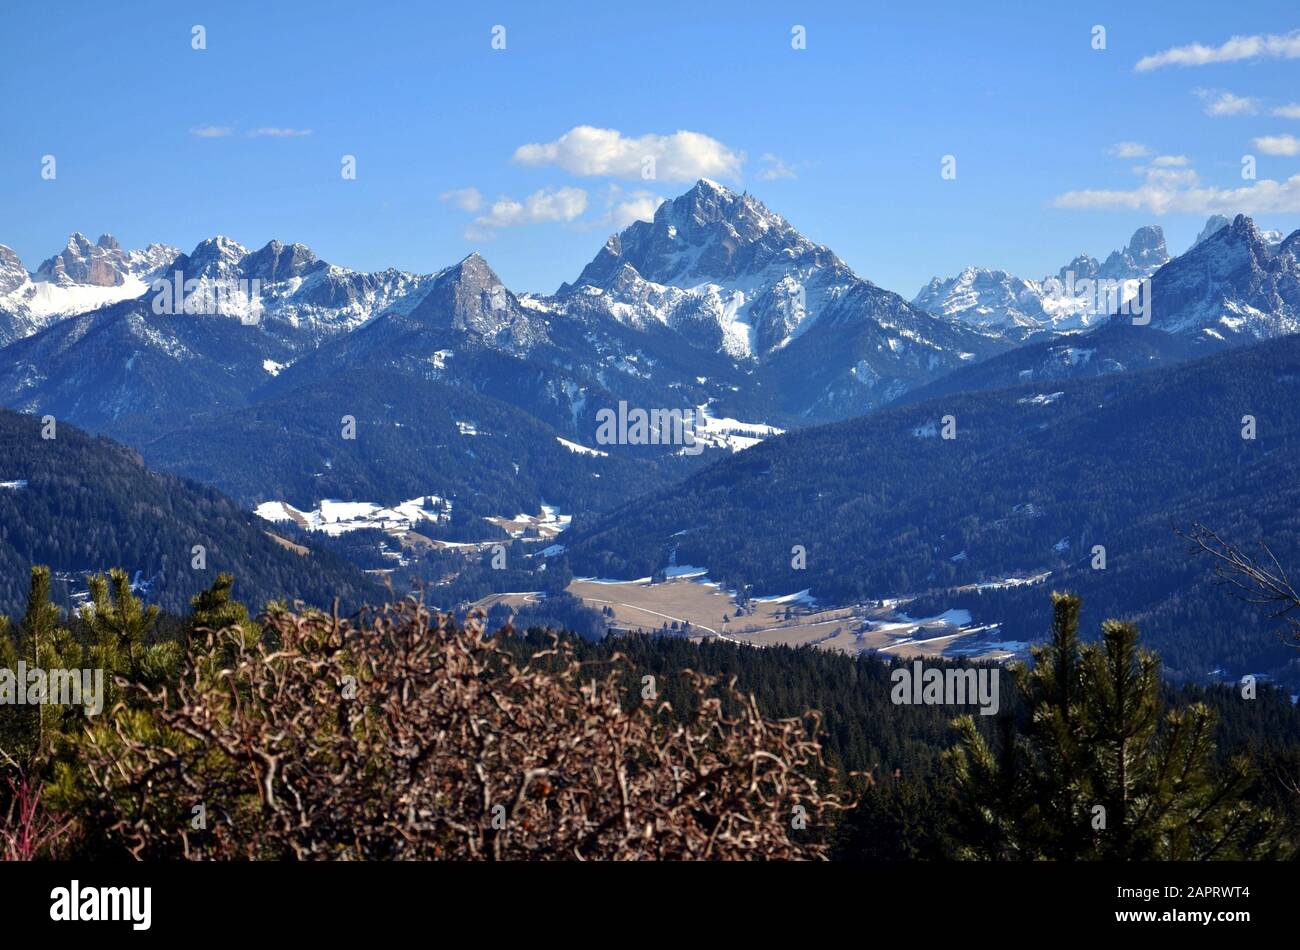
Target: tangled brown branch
(406, 736)
(1259, 581)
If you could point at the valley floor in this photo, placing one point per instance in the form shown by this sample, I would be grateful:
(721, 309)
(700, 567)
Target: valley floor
(694, 607)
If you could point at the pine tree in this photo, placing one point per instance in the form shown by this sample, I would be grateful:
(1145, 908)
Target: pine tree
(121, 627)
(42, 617)
(1156, 780)
(1057, 796)
(42, 642)
(1097, 772)
(122, 630)
(216, 607)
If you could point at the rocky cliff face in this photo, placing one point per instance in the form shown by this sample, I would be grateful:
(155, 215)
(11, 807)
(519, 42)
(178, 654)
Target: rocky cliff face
(102, 264)
(1233, 286)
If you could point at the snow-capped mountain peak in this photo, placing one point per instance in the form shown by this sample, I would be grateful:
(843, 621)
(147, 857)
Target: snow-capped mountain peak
(469, 297)
(709, 235)
(992, 299)
(1084, 265)
(217, 256)
(1217, 222)
(277, 261)
(1144, 254)
(102, 264)
(12, 273)
(78, 263)
(997, 300)
(1233, 285)
(81, 277)
(301, 296)
(724, 270)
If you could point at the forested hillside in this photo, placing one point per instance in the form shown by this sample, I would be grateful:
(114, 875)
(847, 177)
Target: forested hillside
(486, 456)
(1115, 347)
(82, 504)
(1035, 478)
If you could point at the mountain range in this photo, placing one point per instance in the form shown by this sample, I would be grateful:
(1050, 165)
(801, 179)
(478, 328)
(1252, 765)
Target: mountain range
(1236, 284)
(315, 381)
(81, 277)
(719, 305)
(1026, 309)
(997, 300)
(718, 302)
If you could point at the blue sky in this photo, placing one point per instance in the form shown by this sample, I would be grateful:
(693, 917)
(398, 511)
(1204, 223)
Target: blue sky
(156, 141)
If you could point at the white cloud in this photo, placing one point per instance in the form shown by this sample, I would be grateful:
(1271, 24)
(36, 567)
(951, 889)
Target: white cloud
(588, 151)
(1171, 177)
(1179, 191)
(466, 199)
(1219, 103)
(1168, 170)
(221, 131)
(1272, 46)
(774, 168)
(544, 206)
(276, 133)
(623, 208)
(1128, 150)
(1289, 111)
(1277, 144)
(635, 206)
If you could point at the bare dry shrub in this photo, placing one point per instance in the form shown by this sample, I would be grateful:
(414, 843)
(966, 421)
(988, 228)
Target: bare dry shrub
(405, 736)
(1263, 583)
(27, 830)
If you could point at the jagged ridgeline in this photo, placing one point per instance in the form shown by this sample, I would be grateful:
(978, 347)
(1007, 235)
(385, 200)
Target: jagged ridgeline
(488, 399)
(718, 301)
(466, 388)
(1235, 285)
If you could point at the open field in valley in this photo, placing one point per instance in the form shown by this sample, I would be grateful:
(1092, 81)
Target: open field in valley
(789, 621)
